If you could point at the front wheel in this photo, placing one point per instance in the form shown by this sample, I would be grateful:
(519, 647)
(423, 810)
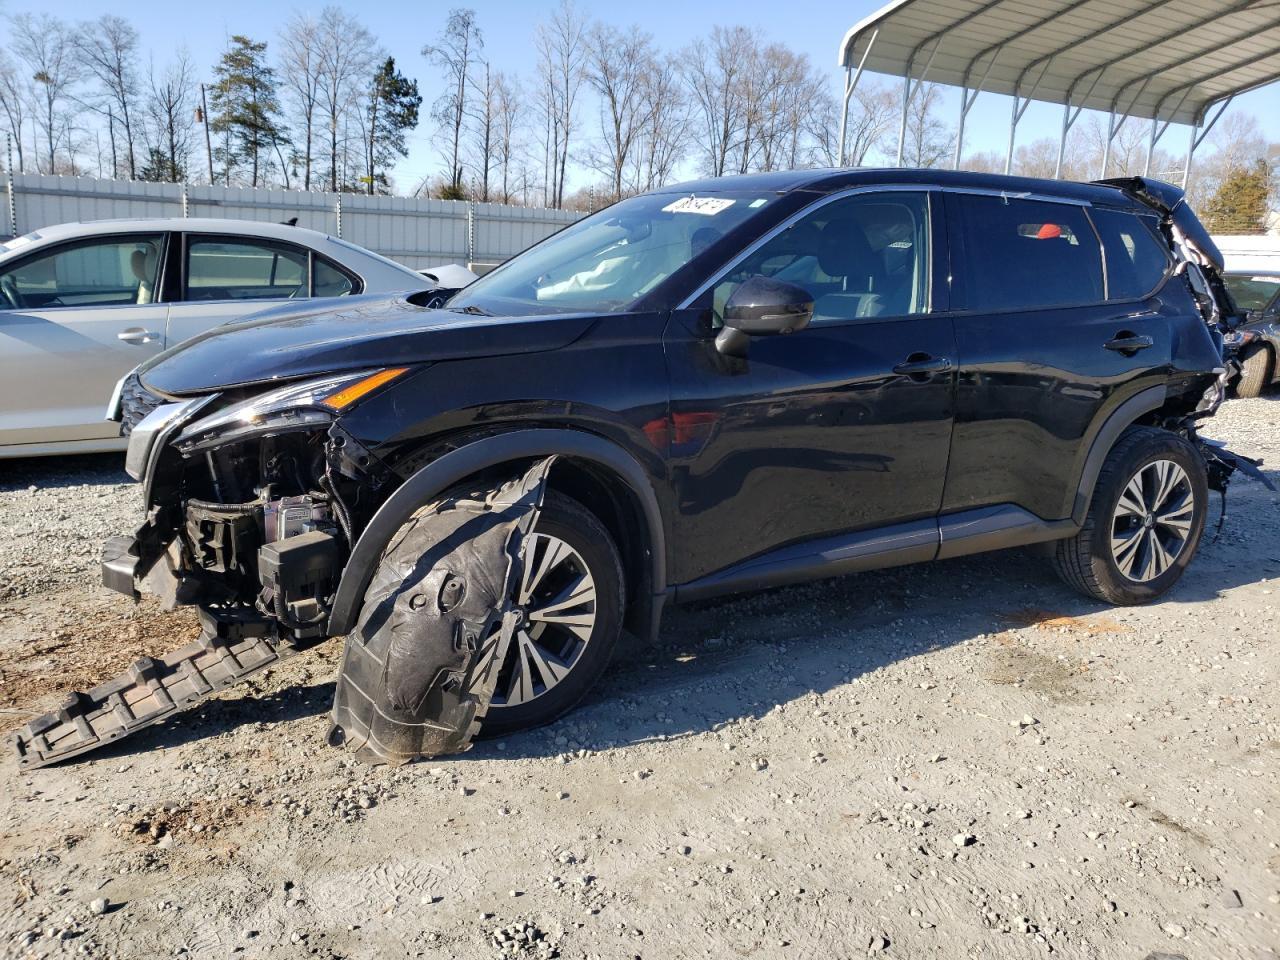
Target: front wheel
(571, 605)
(1256, 367)
(1144, 522)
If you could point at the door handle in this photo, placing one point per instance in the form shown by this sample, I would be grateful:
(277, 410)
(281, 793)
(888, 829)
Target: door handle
(919, 364)
(1129, 343)
(137, 335)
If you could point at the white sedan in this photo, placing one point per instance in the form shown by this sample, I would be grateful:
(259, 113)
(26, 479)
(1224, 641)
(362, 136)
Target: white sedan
(82, 304)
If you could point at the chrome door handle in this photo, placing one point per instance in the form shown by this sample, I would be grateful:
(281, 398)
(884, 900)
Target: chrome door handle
(138, 335)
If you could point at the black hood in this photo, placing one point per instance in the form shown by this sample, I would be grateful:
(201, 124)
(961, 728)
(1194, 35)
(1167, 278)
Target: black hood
(295, 341)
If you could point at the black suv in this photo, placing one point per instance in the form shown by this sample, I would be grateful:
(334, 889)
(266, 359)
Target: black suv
(746, 382)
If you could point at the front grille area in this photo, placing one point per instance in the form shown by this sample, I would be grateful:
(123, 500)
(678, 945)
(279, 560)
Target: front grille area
(136, 401)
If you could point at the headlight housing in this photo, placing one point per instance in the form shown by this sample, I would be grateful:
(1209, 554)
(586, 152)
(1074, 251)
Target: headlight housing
(306, 405)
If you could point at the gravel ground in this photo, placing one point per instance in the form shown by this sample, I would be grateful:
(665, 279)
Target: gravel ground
(959, 760)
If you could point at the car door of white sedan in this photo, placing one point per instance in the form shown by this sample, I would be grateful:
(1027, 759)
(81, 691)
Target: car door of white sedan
(74, 319)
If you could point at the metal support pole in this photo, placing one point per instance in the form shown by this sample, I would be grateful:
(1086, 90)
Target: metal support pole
(337, 211)
(8, 185)
(1191, 148)
(909, 93)
(964, 113)
(471, 232)
(851, 83)
(186, 203)
(1013, 130)
(1062, 140)
(902, 127)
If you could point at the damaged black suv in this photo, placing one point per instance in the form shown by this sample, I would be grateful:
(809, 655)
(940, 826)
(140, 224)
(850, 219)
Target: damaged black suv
(745, 382)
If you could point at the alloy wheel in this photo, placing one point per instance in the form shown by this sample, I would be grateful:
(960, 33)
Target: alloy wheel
(557, 603)
(1152, 520)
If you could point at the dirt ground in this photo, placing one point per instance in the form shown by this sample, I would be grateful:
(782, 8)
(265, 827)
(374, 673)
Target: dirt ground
(958, 760)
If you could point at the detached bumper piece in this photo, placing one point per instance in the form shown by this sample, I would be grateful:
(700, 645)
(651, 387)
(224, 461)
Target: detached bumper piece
(229, 649)
(420, 670)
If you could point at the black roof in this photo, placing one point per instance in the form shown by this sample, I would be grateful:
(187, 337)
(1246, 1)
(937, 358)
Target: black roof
(831, 180)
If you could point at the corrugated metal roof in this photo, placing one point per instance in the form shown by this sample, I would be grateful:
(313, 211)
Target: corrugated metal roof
(1145, 58)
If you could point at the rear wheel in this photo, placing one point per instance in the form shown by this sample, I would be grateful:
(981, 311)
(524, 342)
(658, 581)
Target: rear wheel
(1144, 522)
(571, 605)
(1257, 364)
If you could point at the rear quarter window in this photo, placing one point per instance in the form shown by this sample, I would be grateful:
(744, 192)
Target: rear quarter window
(1026, 254)
(1137, 260)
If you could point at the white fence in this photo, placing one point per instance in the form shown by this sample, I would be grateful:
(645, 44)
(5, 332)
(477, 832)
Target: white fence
(417, 232)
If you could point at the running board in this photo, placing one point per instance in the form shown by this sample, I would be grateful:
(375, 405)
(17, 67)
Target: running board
(150, 691)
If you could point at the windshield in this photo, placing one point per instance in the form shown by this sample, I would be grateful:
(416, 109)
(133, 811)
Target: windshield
(606, 262)
(1250, 292)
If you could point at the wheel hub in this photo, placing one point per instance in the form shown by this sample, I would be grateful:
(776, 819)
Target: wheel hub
(1152, 521)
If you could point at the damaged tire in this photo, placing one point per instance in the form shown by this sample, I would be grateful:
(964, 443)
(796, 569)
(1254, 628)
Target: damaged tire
(571, 601)
(1144, 522)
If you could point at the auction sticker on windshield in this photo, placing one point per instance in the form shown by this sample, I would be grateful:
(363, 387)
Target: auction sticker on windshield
(707, 206)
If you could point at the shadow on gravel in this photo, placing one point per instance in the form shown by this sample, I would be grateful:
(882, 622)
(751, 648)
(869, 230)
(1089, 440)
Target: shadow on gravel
(51, 473)
(725, 660)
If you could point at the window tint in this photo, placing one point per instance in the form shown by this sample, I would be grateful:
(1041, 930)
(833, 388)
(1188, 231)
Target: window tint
(222, 269)
(1136, 259)
(1027, 253)
(330, 281)
(864, 256)
(104, 272)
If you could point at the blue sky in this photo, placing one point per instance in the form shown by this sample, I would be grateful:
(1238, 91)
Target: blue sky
(811, 26)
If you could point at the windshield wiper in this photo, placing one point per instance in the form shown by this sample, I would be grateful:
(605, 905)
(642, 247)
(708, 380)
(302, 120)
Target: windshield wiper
(472, 309)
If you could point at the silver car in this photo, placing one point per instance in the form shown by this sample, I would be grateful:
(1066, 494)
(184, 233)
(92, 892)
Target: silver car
(82, 304)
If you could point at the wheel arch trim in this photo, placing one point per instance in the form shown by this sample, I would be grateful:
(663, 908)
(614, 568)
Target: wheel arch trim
(481, 454)
(1120, 419)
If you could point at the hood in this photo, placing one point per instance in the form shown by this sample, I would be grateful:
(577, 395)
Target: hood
(286, 343)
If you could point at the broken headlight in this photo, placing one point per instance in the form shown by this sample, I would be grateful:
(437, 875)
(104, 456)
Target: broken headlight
(308, 405)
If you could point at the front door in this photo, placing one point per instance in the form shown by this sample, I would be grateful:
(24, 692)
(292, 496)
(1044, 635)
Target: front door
(74, 319)
(841, 427)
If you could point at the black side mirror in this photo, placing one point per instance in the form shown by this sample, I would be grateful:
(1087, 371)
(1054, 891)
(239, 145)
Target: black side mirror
(762, 307)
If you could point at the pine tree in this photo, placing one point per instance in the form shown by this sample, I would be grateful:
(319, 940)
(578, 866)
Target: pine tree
(1239, 205)
(392, 112)
(246, 110)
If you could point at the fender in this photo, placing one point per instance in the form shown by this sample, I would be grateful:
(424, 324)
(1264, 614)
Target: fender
(1121, 419)
(455, 466)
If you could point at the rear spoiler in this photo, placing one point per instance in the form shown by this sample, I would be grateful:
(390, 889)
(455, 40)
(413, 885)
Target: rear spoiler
(1171, 203)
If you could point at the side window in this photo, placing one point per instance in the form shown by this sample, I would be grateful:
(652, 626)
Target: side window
(222, 268)
(330, 280)
(1136, 259)
(106, 272)
(1022, 254)
(866, 255)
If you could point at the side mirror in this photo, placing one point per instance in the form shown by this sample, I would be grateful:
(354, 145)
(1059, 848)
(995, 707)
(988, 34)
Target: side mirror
(762, 307)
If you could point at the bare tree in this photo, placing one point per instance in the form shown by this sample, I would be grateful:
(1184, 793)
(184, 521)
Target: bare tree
(47, 49)
(12, 104)
(665, 133)
(562, 57)
(507, 131)
(108, 49)
(458, 48)
(716, 68)
(929, 140)
(346, 55)
(618, 65)
(872, 111)
(301, 70)
(483, 115)
(169, 128)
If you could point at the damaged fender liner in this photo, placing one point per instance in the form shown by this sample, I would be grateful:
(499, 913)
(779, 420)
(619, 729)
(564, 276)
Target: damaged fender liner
(420, 669)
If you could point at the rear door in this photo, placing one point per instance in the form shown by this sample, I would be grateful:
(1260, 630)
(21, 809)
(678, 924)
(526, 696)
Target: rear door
(1044, 353)
(838, 428)
(74, 319)
(227, 277)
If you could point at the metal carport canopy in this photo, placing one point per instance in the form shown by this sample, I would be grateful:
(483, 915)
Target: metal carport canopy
(1163, 60)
